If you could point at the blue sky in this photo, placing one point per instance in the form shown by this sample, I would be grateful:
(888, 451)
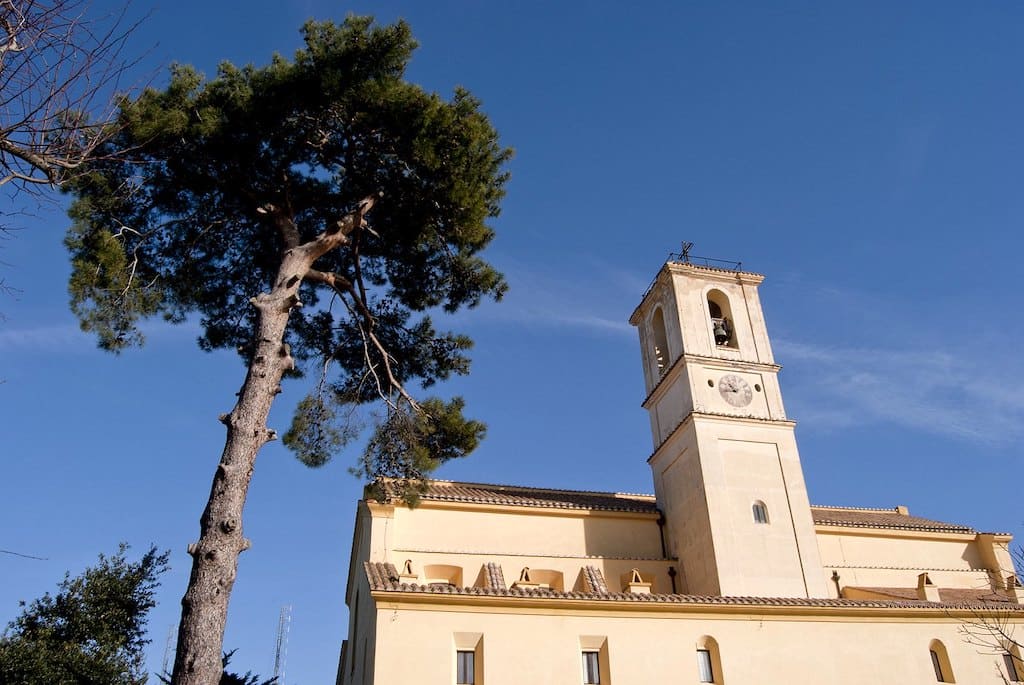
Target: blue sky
(867, 157)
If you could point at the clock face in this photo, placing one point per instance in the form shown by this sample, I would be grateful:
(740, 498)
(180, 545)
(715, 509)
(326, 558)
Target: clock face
(735, 390)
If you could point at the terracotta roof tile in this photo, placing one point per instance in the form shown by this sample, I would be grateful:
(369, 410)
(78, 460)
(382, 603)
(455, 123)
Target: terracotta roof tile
(956, 596)
(495, 576)
(593, 580)
(881, 518)
(450, 491)
(381, 574)
(383, 579)
(888, 592)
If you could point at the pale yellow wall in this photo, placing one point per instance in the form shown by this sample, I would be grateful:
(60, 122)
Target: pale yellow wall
(678, 486)
(707, 477)
(468, 537)
(764, 559)
(671, 404)
(758, 326)
(368, 542)
(524, 530)
(360, 655)
(744, 463)
(853, 549)
(894, 558)
(541, 645)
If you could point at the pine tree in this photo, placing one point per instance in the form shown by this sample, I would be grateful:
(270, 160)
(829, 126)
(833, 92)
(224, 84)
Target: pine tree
(311, 213)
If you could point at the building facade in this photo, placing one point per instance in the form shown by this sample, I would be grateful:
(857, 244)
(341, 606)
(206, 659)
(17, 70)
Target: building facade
(726, 574)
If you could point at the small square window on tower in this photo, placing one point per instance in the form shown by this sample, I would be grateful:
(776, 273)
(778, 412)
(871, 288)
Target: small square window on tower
(760, 511)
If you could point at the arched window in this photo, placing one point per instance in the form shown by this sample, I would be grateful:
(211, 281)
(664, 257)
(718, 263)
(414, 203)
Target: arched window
(940, 662)
(709, 662)
(722, 325)
(660, 351)
(760, 511)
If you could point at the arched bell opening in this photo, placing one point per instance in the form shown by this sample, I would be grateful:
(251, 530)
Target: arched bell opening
(723, 328)
(660, 339)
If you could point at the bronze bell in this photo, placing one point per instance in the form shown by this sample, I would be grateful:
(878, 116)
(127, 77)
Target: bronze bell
(721, 334)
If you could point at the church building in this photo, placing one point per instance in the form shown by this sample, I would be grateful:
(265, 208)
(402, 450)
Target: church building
(726, 574)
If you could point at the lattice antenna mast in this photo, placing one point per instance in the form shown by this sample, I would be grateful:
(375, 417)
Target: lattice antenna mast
(172, 639)
(284, 623)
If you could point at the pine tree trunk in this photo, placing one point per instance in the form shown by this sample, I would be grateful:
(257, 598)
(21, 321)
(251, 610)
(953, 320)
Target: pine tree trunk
(204, 608)
(215, 556)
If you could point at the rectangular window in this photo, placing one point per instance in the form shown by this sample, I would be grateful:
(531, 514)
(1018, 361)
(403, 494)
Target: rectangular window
(1011, 668)
(937, 666)
(591, 668)
(465, 667)
(704, 670)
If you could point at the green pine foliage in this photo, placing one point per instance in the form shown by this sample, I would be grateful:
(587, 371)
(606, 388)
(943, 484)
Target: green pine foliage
(191, 220)
(230, 677)
(91, 632)
(248, 678)
(411, 442)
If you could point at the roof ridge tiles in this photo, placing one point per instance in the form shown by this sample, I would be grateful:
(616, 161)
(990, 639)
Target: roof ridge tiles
(378, 574)
(534, 488)
(888, 510)
(527, 496)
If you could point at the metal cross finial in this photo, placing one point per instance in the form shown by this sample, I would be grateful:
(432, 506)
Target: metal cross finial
(686, 251)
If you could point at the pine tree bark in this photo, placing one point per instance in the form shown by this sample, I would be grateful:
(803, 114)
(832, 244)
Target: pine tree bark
(197, 660)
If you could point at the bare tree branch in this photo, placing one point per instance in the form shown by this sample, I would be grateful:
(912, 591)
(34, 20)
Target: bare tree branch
(995, 632)
(59, 73)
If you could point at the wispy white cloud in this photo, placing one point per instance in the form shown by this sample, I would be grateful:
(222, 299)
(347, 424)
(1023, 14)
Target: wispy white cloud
(596, 298)
(41, 338)
(943, 392)
(559, 317)
(68, 337)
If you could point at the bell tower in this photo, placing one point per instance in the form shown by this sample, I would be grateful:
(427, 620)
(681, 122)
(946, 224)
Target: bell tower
(726, 468)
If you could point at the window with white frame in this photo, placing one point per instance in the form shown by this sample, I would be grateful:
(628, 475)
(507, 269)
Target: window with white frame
(705, 670)
(465, 667)
(591, 668)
